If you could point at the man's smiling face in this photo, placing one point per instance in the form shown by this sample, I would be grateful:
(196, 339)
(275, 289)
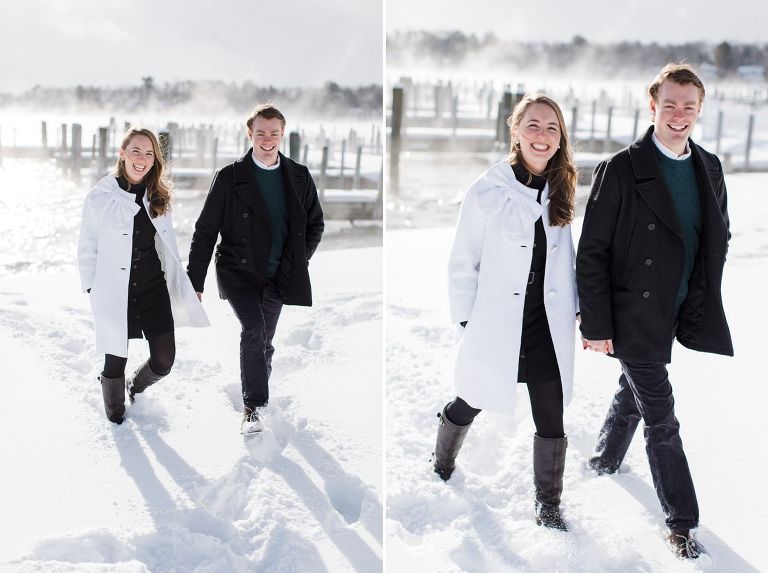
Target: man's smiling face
(674, 113)
(266, 136)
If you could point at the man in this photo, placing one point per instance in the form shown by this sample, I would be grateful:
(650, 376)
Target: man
(266, 209)
(649, 268)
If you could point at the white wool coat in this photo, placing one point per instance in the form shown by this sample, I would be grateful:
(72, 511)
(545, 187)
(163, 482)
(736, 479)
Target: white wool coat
(487, 275)
(104, 260)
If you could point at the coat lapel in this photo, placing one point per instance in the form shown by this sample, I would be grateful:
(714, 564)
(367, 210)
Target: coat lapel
(709, 176)
(246, 187)
(292, 180)
(650, 184)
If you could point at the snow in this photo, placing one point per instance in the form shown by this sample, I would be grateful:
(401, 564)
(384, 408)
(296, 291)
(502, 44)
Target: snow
(176, 487)
(482, 519)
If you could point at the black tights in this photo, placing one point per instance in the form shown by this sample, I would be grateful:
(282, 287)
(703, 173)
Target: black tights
(546, 407)
(162, 353)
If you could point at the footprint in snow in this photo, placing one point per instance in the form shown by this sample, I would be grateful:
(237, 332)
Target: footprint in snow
(306, 338)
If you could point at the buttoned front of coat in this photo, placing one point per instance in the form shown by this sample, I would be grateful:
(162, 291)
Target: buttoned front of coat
(235, 210)
(104, 262)
(631, 258)
(487, 276)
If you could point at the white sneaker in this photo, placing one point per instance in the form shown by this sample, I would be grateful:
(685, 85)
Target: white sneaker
(251, 423)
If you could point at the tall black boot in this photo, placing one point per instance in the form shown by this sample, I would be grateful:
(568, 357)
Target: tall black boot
(449, 440)
(113, 392)
(142, 379)
(548, 468)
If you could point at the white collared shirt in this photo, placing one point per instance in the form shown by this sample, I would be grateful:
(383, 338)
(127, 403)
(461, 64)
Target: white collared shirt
(266, 167)
(667, 151)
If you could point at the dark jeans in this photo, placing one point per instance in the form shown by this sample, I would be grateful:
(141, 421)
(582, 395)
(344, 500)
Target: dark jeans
(546, 408)
(162, 353)
(645, 391)
(258, 318)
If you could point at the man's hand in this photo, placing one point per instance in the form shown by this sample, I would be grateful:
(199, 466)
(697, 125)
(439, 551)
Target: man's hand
(604, 346)
(200, 296)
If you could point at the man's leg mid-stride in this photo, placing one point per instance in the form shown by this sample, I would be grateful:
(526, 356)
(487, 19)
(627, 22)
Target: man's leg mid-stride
(617, 431)
(669, 467)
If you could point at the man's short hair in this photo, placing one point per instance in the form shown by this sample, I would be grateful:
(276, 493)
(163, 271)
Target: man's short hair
(267, 111)
(679, 73)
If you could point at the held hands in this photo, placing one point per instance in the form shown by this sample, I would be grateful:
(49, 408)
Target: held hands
(604, 346)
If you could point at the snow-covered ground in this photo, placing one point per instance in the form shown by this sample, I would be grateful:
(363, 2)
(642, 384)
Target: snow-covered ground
(481, 521)
(176, 487)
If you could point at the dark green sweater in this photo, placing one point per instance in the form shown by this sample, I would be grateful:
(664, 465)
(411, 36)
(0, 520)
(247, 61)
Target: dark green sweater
(680, 177)
(272, 190)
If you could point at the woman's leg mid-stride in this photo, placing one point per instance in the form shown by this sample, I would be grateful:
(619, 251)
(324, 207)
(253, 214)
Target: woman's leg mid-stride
(162, 353)
(455, 420)
(112, 380)
(549, 445)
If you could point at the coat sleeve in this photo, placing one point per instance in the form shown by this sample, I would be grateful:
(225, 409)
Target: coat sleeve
(88, 245)
(593, 260)
(315, 222)
(206, 233)
(464, 260)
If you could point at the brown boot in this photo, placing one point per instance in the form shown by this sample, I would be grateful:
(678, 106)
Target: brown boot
(684, 545)
(113, 392)
(548, 468)
(450, 437)
(142, 379)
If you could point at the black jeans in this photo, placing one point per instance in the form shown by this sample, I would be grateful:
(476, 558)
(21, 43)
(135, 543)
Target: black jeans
(258, 317)
(546, 408)
(645, 392)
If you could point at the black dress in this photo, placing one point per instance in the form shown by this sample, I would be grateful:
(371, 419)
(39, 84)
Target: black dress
(149, 305)
(538, 362)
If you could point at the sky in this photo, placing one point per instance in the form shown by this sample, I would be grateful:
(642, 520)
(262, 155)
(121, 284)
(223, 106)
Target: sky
(663, 21)
(97, 42)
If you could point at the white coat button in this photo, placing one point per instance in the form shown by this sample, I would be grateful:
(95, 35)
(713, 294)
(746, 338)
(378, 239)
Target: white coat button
(551, 294)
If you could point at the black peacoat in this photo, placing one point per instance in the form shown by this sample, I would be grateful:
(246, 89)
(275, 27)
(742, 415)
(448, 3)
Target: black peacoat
(631, 257)
(236, 210)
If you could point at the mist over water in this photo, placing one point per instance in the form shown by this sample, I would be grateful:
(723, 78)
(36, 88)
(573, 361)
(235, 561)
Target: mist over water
(432, 181)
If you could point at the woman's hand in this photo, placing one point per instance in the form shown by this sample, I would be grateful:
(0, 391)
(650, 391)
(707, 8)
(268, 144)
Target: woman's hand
(604, 346)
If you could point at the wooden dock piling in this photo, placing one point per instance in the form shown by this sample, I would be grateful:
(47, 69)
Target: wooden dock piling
(294, 145)
(395, 141)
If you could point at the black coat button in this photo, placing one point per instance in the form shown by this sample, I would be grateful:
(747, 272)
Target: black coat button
(245, 215)
(651, 226)
(648, 262)
(646, 294)
(243, 240)
(242, 261)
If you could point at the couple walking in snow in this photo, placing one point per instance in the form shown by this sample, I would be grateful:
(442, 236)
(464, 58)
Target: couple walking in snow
(648, 270)
(266, 210)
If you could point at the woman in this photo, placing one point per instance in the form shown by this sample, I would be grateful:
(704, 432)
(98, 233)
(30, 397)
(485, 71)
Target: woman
(513, 296)
(129, 263)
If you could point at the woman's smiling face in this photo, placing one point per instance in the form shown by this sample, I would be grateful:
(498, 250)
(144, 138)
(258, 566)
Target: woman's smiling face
(539, 136)
(139, 157)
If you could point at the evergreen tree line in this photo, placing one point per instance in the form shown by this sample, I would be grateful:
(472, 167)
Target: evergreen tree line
(219, 96)
(451, 48)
